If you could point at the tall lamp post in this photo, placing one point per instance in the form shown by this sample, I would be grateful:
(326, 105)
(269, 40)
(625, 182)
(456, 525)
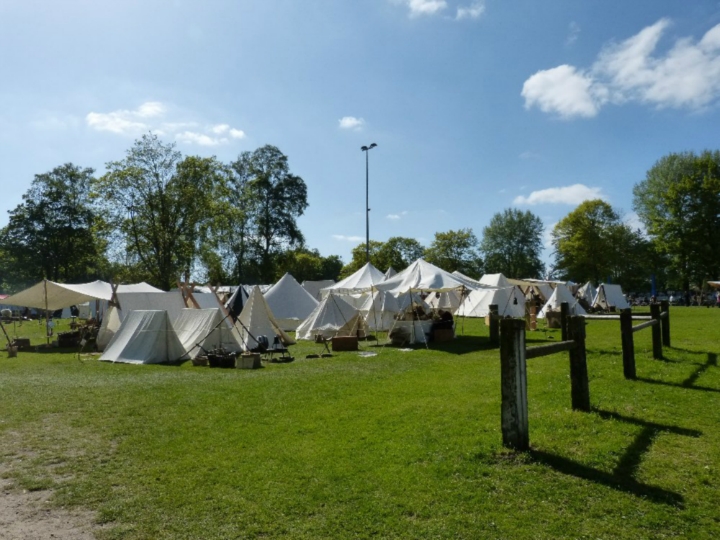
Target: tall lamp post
(366, 149)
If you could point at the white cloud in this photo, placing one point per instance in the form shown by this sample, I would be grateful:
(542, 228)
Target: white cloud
(151, 116)
(350, 122)
(425, 7)
(561, 90)
(547, 235)
(686, 76)
(348, 238)
(572, 195)
(393, 217)
(473, 11)
(573, 33)
(633, 221)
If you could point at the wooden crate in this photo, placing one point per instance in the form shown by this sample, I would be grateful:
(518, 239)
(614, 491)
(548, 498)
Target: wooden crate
(349, 343)
(248, 361)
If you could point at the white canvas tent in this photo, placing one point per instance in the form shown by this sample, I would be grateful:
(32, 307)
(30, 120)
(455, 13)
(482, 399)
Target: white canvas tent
(358, 282)
(172, 302)
(587, 292)
(495, 280)
(390, 272)
(421, 276)
(562, 294)
(289, 302)
(331, 318)
(145, 337)
(411, 300)
(314, 287)
(202, 330)
(510, 302)
(469, 282)
(256, 320)
(610, 296)
(379, 310)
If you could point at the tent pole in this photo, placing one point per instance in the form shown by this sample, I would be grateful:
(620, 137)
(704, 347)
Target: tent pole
(47, 328)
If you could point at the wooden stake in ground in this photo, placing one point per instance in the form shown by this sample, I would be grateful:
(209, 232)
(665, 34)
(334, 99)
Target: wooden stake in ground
(513, 381)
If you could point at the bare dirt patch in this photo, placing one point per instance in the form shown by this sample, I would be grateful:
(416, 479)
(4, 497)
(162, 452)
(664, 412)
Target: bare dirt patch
(27, 515)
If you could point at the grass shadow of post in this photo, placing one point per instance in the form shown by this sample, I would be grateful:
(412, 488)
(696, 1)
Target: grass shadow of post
(622, 478)
(689, 383)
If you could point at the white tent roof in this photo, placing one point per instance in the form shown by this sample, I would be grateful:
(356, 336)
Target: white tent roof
(561, 294)
(411, 299)
(469, 282)
(390, 272)
(477, 303)
(314, 287)
(360, 281)
(202, 330)
(145, 337)
(495, 280)
(608, 296)
(60, 295)
(421, 276)
(256, 320)
(332, 317)
(289, 302)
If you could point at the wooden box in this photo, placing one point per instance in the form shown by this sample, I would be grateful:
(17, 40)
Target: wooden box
(349, 343)
(443, 334)
(248, 361)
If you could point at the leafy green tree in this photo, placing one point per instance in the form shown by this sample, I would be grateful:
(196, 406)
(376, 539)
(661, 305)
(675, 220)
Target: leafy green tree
(593, 244)
(307, 265)
(397, 252)
(456, 250)
(51, 233)
(679, 204)
(512, 244)
(160, 205)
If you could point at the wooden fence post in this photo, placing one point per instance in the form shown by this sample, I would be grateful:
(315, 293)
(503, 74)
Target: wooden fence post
(665, 321)
(494, 325)
(513, 385)
(656, 331)
(564, 313)
(579, 385)
(628, 343)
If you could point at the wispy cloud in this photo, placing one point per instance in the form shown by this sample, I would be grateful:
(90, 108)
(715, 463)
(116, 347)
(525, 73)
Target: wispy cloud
(350, 122)
(393, 217)
(472, 11)
(529, 155)
(686, 76)
(348, 238)
(425, 7)
(152, 116)
(572, 195)
(573, 33)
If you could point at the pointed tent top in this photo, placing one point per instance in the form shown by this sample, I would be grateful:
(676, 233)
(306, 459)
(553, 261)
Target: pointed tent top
(358, 282)
(390, 272)
(333, 316)
(288, 300)
(495, 280)
(257, 319)
(561, 294)
(421, 276)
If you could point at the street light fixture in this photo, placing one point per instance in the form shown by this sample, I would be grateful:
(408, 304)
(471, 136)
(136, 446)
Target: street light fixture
(366, 149)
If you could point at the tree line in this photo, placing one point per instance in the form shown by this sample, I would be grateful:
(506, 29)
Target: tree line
(157, 216)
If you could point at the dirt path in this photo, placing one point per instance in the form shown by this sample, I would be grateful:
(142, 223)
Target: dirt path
(26, 515)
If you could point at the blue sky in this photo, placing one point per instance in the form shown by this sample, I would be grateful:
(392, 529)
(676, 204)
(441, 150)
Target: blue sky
(476, 106)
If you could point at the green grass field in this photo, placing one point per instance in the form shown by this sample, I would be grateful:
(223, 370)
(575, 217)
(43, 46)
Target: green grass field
(402, 444)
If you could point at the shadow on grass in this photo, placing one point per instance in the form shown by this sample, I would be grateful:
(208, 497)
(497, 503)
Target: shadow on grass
(622, 478)
(689, 383)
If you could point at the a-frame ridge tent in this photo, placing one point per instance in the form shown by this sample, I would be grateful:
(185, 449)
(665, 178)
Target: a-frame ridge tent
(145, 337)
(172, 302)
(587, 293)
(331, 318)
(256, 320)
(562, 294)
(289, 302)
(510, 302)
(202, 330)
(610, 296)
